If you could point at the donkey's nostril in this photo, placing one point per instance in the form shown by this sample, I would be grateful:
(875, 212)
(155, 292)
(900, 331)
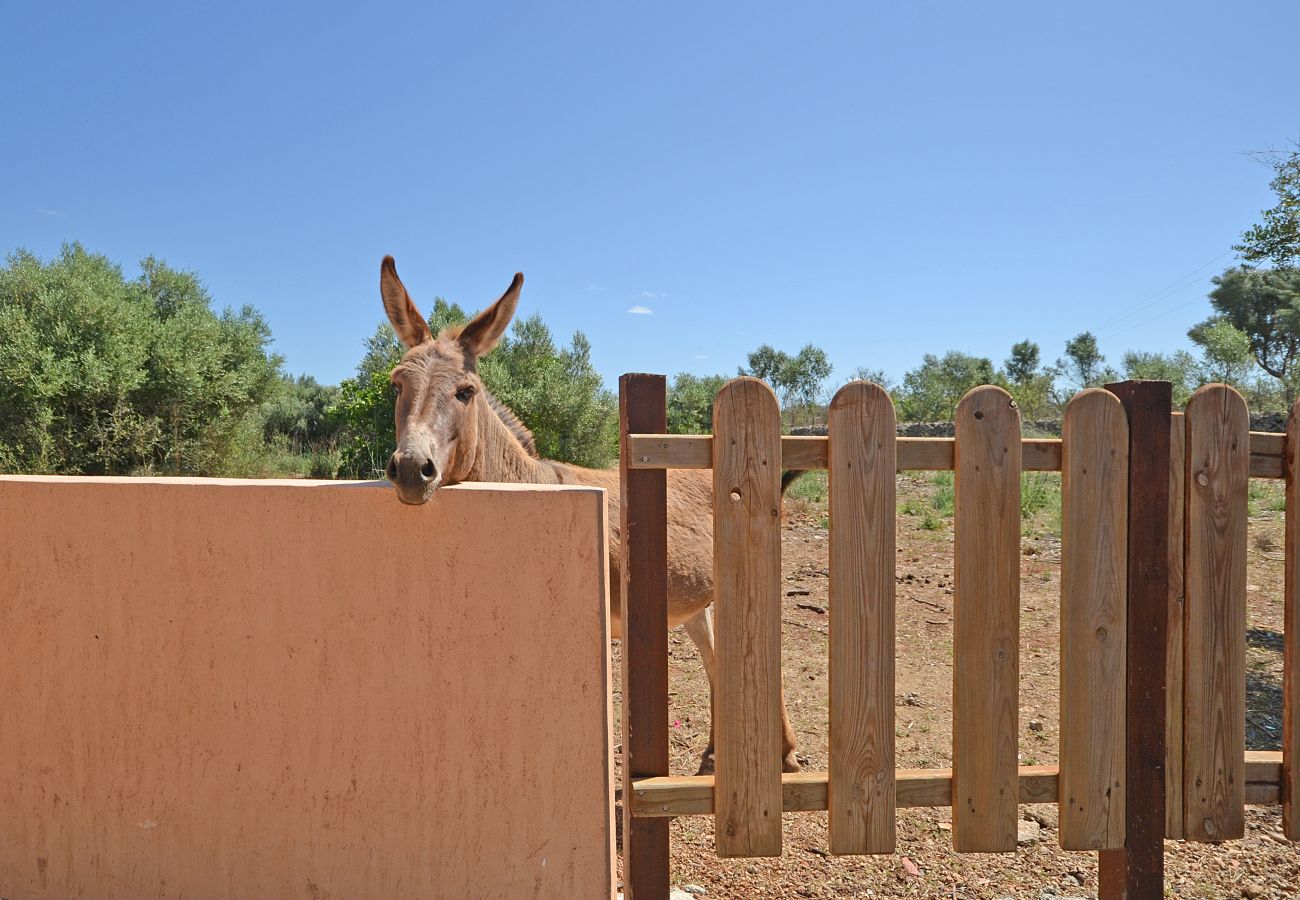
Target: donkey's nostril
(392, 467)
(427, 469)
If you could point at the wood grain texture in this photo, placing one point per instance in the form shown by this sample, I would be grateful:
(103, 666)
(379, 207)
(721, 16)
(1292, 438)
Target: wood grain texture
(986, 622)
(747, 579)
(1137, 870)
(1215, 629)
(1094, 597)
(863, 509)
(1290, 774)
(695, 451)
(644, 569)
(807, 792)
(1174, 650)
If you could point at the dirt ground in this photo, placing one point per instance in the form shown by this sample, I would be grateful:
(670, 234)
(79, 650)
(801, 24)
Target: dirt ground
(1261, 865)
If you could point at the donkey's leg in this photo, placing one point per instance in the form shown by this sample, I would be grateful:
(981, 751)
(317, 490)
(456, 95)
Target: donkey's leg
(789, 758)
(700, 629)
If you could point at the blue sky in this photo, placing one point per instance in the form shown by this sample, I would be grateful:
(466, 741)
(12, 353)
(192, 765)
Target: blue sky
(881, 179)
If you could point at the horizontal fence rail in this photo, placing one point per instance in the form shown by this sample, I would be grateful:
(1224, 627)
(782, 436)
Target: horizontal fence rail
(692, 795)
(807, 452)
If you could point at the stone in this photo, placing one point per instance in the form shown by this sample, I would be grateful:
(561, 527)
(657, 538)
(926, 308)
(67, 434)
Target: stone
(1027, 833)
(698, 889)
(1045, 814)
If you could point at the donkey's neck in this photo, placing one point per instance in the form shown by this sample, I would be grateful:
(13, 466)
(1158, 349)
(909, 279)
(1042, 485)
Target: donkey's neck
(501, 457)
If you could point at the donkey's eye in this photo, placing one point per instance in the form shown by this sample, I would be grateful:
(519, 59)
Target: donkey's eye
(465, 394)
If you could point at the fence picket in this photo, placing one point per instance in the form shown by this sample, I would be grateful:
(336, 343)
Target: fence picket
(986, 626)
(747, 577)
(1218, 468)
(1291, 637)
(1174, 653)
(862, 462)
(1094, 577)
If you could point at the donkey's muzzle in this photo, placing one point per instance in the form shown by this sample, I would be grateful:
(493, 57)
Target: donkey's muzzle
(415, 475)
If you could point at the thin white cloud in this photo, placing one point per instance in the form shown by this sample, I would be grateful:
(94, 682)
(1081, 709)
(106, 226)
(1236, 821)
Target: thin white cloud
(649, 295)
(53, 212)
(700, 356)
(593, 288)
(641, 311)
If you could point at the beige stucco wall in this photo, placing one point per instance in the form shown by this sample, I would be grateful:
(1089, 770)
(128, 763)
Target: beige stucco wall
(302, 689)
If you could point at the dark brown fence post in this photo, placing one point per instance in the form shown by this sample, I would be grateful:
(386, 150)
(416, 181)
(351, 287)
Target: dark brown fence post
(1138, 871)
(643, 524)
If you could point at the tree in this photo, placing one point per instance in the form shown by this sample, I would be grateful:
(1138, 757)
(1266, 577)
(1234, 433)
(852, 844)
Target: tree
(1225, 353)
(874, 376)
(1264, 304)
(1022, 364)
(1083, 363)
(796, 379)
(932, 391)
(1030, 386)
(102, 375)
(556, 392)
(1277, 238)
(767, 363)
(690, 402)
(1180, 370)
(298, 415)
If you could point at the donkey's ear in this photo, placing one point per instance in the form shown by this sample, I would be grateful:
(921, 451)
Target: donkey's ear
(407, 322)
(482, 334)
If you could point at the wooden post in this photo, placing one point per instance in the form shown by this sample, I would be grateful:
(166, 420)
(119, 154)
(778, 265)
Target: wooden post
(1214, 637)
(643, 523)
(747, 585)
(986, 623)
(863, 459)
(1137, 871)
(1174, 650)
(1291, 636)
(1094, 587)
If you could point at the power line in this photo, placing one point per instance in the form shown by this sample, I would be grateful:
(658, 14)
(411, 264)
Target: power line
(1156, 316)
(1161, 295)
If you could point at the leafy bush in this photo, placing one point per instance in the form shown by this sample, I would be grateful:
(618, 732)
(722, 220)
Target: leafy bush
(107, 376)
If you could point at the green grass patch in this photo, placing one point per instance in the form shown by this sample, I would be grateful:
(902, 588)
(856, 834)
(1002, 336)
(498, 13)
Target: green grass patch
(810, 487)
(942, 498)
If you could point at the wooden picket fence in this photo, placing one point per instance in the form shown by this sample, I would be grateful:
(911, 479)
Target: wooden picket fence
(1153, 627)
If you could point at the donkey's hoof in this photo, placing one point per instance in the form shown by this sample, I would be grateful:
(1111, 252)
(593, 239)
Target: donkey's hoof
(791, 762)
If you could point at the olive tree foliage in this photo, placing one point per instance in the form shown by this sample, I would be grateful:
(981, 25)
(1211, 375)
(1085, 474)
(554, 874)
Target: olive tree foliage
(690, 402)
(104, 375)
(873, 376)
(1083, 365)
(797, 379)
(298, 415)
(1180, 369)
(1029, 383)
(931, 392)
(1264, 305)
(1276, 240)
(1226, 354)
(555, 391)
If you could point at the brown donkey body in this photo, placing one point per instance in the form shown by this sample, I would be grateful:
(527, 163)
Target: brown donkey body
(450, 429)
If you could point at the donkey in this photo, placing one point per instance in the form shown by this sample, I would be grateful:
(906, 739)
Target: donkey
(451, 429)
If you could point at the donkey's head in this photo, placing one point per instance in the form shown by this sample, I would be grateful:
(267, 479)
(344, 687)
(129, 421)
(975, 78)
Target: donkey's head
(440, 399)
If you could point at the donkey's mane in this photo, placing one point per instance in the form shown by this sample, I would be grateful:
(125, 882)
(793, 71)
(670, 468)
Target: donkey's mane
(511, 421)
